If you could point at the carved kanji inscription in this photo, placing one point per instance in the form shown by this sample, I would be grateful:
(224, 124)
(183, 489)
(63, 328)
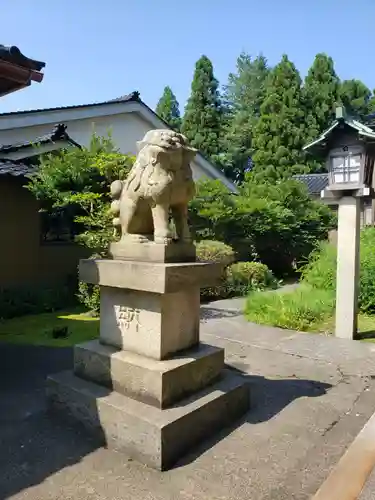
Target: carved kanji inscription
(126, 316)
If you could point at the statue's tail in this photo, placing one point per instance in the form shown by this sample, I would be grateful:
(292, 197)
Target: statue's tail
(116, 190)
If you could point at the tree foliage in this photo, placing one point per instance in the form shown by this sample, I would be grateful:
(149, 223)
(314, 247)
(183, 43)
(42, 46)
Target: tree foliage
(278, 224)
(203, 113)
(168, 109)
(355, 96)
(321, 95)
(265, 116)
(244, 95)
(74, 184)
(279, 133)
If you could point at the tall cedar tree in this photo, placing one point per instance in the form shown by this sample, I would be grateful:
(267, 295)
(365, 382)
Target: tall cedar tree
(321, 94)
(244, 95)
(280, 130)
(168, 109)
(202, 118)
(355, 96)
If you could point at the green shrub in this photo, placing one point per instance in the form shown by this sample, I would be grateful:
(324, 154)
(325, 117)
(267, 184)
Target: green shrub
(237, 278)
(219, 252)
(320, 272)
(89, 296)
(215, 251)
(20, 301)
(301, 309)
(277, 224)
(366, 297)
(75, 184)
(243, 277)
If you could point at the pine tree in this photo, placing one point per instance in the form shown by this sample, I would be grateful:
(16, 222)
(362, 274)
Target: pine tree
(202, 118)
(355, 96)
(168, 109)
(244, 95)
(279, 134)
(321, 95)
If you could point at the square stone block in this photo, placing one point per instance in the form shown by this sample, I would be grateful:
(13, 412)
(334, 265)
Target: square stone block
(150, 324)
(149, 276)
(152, 436)
(153, 252)
(160, 383)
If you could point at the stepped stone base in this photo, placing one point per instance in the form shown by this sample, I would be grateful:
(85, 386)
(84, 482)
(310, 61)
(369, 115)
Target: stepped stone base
(147, 386)
(151, 435)
(159, 383)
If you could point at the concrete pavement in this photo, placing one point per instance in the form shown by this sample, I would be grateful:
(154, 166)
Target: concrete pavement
(311, 395)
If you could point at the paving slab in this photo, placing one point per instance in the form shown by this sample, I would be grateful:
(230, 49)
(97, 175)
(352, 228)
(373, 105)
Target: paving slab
(311, 395)
(368, 492)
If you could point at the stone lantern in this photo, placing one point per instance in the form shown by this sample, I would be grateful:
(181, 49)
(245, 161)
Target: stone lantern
(348, 147)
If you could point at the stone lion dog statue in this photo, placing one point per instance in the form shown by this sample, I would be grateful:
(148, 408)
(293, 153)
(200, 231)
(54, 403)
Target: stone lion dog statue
(160, 184)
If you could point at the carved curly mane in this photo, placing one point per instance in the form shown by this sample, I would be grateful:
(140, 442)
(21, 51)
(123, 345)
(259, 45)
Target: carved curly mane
(140, 171)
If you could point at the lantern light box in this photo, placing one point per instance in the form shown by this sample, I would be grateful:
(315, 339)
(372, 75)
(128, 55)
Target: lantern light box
(348, 147)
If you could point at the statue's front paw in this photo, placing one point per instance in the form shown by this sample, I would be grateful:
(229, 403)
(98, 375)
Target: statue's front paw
(163, 240)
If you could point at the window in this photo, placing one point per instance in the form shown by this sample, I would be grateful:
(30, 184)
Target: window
(346, 167)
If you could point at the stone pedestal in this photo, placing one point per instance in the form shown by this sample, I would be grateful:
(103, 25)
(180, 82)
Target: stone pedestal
(347, 267)
(148, 386)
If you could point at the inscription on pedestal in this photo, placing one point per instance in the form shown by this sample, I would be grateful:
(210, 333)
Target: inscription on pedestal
(126, 316)
(131, 320)
(150, 324)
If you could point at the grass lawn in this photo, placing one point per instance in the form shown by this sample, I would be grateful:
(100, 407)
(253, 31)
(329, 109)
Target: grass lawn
(304, 309)
(71, 327)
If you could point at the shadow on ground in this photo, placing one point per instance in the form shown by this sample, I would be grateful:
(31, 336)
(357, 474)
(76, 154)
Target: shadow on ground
(217, 313)
(370, 334)
(267, 399)
(34, 446)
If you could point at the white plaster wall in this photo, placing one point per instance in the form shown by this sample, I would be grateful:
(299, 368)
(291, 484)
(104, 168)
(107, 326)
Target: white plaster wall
(126, 129)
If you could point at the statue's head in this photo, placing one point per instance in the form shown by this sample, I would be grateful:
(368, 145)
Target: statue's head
(165, 139)
(167, 144)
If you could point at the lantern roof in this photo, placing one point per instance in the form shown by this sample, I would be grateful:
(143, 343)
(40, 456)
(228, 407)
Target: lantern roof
(342, 121)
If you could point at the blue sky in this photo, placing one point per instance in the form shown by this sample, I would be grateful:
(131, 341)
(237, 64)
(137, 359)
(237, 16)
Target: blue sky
(98, 50)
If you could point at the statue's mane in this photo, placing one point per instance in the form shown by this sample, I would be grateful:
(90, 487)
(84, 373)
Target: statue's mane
(143, 168)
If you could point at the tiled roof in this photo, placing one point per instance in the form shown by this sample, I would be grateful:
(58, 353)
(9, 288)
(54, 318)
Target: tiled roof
(16, 169)
(364, 131)
(315, 183)
(132, 97)
(14, 55)
(58, 134)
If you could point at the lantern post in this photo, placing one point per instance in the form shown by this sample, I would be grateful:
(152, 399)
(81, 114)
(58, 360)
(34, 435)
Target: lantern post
(348, 147)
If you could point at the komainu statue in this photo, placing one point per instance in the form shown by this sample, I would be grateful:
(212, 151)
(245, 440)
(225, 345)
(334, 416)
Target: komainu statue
(160, 184)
